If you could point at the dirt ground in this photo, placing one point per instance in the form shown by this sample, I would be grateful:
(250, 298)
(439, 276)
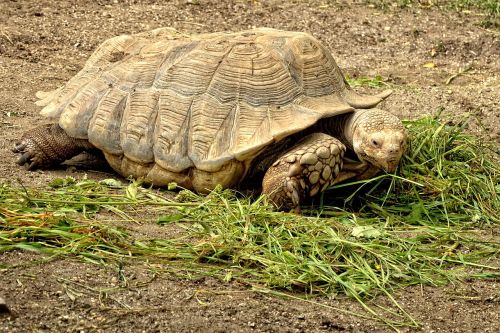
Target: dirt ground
(43, 43)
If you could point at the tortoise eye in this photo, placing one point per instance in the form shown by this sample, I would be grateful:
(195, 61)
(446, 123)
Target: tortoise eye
(375, 143)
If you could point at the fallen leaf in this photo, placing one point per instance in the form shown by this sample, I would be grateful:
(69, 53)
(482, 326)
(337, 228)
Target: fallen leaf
(365, 231)
(112, 183)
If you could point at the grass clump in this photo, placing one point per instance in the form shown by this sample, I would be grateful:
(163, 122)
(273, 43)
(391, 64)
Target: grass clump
(488, 9)
(425, 225)
(372, 82)
(47, 232)
(459, 172)
(446, 177)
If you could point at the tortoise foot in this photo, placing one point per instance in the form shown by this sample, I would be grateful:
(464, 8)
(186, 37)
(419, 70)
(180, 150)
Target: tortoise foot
(304, 171)
(32, 155)
(46, 146)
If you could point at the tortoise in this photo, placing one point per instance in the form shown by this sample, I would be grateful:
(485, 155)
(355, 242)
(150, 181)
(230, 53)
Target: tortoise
(260, 106)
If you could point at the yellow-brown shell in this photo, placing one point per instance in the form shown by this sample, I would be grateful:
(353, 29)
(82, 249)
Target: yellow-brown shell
(171, 107)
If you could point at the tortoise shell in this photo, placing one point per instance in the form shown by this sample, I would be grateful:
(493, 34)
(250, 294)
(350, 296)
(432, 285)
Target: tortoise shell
(198, 109)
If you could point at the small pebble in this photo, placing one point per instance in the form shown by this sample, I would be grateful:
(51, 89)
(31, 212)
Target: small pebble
(3, 306)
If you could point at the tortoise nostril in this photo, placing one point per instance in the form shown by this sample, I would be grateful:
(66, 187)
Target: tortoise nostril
(393, 150)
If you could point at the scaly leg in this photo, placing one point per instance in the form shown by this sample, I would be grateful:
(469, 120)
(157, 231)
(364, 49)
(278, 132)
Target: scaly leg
(48, 145)
(303, 171)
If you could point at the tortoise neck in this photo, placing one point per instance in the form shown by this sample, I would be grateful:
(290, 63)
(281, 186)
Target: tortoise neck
(349, 126)
(343, 127)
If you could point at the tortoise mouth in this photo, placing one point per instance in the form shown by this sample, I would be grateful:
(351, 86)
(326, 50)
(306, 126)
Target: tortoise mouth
(364, 157)
(388, 165)
(392, 165)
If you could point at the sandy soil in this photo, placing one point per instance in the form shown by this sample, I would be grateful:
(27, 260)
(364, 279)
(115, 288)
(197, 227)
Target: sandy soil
(44, 43)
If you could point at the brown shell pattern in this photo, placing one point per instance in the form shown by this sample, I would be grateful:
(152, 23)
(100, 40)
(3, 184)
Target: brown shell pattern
(200, 101)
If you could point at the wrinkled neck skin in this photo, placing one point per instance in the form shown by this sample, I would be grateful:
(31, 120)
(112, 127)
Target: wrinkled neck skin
(343, 127)
(350, 124)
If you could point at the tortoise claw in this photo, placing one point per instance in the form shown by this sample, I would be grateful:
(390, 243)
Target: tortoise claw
(29, 156)
(30, 160)
(19, 148)
(33, 166)
(25, 157)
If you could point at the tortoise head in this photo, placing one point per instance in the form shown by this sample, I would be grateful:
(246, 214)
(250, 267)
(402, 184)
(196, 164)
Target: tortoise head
(379, 138)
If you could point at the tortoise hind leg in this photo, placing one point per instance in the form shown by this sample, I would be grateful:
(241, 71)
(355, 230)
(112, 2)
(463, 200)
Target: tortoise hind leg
(303, 171)
(48, 145)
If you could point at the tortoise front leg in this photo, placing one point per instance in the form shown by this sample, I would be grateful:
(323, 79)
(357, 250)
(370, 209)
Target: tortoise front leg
(303, 171)
(48, 145)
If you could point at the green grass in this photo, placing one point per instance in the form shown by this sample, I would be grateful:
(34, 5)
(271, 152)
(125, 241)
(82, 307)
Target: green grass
(372, 82)
(489, 9)
(426, 225)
